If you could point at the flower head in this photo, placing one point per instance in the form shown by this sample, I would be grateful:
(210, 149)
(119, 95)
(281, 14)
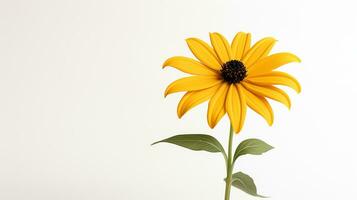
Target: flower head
(232, 77)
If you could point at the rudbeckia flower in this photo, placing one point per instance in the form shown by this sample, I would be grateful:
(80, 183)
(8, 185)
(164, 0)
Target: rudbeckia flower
(232, 77)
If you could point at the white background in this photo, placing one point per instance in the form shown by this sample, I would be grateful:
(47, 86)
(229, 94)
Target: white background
(81, 101)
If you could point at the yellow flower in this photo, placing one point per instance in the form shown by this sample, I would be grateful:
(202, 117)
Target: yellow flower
(232, 77)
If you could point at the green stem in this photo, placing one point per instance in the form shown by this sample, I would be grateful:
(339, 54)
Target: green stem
(229, 165)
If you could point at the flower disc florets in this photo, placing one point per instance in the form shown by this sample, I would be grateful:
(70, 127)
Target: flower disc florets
(233, 71)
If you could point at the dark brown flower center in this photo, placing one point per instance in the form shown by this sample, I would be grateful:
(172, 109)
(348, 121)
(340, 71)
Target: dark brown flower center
(233, 71)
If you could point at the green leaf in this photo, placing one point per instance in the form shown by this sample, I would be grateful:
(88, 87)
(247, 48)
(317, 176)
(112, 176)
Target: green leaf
(251, 146)
(245, 183)
(196, 142)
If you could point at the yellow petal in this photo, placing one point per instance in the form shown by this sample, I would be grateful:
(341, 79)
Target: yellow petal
(216, 108)
(221, 113)
(204, 53)
(236, 107)
(194, 98)
(243, 104)
(221, 47)
(240, 45)
(270, 92)
(260, 105)
(192, 83)
(258, 51)
(233, 106)
(276, 78)
(272, 62)
(188, 65)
